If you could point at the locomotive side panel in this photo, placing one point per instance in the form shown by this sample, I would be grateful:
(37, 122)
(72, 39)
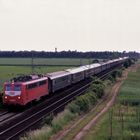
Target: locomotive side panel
(36, 90)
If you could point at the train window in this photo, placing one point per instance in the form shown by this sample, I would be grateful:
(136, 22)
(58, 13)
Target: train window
(8, 87)
(60, 80)
(78, 74)
(65, 78)
(17, 88)
(30, 86)
(42, 82)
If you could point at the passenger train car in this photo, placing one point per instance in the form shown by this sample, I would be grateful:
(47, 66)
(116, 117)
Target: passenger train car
(25, 89)
(77, 74)
(58, 80)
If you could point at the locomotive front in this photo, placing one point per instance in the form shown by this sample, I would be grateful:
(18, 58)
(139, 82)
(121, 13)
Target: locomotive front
(12, 93)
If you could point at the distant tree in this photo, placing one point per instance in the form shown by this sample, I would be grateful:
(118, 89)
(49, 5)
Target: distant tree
(128, 63)
(69, 54)
(95, 61)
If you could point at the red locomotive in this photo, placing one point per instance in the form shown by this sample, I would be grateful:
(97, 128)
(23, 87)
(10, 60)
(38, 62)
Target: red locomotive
(25, 89)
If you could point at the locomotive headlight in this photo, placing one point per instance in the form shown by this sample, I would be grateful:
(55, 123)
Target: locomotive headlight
(5, 97)
(19, 97)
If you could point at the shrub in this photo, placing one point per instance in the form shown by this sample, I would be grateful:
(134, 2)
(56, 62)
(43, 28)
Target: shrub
(98, 81)
(98, 89)
(116, 73)
(62, 119)
(40, 134)
(48, 120)
(82, 103)
(128, 63)
(74, 108)
(134, 127)
(111, 78)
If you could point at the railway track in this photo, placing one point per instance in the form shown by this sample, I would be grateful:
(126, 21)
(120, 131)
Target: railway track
(6, 116)
(28, 119)
(3, 113)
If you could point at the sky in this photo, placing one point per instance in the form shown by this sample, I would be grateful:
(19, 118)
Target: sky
(82, 25)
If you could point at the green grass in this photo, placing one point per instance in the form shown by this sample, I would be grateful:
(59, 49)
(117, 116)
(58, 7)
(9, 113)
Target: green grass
(46, 61)
(104, 126)
(121, 129)
(130, 91)
(7, 72)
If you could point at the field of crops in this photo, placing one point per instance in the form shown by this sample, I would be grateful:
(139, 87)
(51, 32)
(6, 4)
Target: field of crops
(130, 91)
(122, 122)
(45, 61)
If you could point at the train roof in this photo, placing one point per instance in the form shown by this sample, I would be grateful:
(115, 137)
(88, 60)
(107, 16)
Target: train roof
(91, 66)
(75, 70)
(57, 74)
(26, 78)
(86, 67)
(35, 80)
(27, 82)
(124, 57)
(95, 65)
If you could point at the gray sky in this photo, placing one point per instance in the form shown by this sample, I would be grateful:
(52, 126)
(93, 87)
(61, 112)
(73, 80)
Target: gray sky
(83, 25)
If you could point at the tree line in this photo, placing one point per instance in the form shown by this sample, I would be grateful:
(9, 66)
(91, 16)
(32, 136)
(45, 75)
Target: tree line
(68, 54)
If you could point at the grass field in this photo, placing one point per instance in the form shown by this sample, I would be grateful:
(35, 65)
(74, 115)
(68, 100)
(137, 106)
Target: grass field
(45, 61)
(130, 91)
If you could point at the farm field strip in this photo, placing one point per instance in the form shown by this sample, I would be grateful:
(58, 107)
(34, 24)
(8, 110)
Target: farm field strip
(130, 91)
(45, 61)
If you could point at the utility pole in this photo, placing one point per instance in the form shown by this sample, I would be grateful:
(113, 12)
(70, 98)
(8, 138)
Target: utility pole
(80, 61)
(32, 63)
(56, 50)
(111, 123)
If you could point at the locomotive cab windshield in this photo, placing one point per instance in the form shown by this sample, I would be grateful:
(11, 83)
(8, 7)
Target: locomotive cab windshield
(12, 89)
(17, 87)
(8, 87)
